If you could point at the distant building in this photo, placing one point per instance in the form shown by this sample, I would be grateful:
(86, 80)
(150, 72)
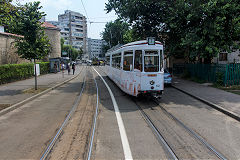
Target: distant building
(226, 58)
(95, 47)
(8, 51)
(73, 27)
(53, 34)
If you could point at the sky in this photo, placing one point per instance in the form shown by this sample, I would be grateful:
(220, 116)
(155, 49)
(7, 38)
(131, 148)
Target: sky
(94, 11)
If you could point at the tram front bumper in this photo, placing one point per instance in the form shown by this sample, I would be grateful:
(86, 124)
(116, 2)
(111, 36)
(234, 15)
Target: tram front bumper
(155, 93)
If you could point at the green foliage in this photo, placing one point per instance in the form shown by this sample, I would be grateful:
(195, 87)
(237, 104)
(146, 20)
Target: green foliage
(130, 36)
(191, 28)
(34, 44)
(14, 72)
(219, 79)
(62, 43)
(44, 67)
(7, 10)
(114, 32)
(186, 74)
(72, 52)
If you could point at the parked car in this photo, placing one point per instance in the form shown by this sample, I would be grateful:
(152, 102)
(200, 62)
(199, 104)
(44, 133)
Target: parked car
(167, 77)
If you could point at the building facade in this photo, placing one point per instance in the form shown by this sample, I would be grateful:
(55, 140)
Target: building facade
(53, 34)
(95, 47)
(227, 58)
(73, 27)
(8, 52)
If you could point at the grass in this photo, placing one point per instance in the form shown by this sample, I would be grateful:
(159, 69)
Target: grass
(33, 91)
(3, 106)
(232, 89)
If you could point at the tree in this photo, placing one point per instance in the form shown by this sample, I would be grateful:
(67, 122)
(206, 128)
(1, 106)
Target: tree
(34, 44)
(114, 32)
(72, 52)
(62, 44)
(7, 10)
(195, 28)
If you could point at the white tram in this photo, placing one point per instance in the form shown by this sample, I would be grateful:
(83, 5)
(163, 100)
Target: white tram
(137, 68)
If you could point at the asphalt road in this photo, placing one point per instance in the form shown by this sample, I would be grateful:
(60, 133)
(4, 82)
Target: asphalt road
(26, 131)
(142, 141)
(216, 128)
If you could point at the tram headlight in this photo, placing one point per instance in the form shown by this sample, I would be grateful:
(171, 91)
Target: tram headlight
(152, 82)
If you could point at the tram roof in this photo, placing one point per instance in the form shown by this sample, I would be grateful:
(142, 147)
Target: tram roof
(142, 42)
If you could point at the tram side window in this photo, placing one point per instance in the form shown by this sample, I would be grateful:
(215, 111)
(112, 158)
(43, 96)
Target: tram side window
(138, 60)
(116, 60)
(108, 60)
(128, 61)
(161, 60)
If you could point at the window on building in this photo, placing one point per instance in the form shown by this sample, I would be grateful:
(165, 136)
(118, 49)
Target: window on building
(222, 56)
(128, 61)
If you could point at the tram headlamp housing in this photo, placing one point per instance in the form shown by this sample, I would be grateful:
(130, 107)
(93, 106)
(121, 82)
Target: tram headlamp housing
(152, 82)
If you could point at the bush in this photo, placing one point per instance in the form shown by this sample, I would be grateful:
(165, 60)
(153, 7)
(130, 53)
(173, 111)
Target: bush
(44, 67)
(186, 74)
(219, 79)
(14, 72)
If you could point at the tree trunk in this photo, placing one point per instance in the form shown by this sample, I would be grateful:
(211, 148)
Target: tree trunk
(35, 68)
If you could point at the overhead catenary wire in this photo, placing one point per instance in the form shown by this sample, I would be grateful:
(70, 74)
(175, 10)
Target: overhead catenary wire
(85, 10)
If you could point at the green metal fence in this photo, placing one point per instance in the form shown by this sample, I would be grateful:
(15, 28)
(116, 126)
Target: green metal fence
(225, 74)
(232, 75)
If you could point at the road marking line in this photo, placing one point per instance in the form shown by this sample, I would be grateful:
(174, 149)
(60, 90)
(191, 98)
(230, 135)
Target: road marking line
(123, 135)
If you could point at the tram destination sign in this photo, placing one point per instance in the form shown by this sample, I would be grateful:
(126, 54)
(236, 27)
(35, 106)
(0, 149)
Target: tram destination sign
(151, 40)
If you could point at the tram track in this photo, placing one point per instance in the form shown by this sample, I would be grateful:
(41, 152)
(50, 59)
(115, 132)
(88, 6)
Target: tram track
(69, 144)
(60, 130)
(171, 152)
(193, 133)
(157, 133)
(93, 128)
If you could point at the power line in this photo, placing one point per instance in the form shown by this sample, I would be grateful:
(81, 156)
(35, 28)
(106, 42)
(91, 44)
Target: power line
(103, 17)
(96, 22)
(85, 10)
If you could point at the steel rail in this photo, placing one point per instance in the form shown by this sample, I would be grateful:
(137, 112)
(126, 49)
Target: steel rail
(94, 125)
(204, 142)
(50, 146)
(157, 133)
(198, 137)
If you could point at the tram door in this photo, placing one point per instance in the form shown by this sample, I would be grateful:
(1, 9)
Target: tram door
(137, 70)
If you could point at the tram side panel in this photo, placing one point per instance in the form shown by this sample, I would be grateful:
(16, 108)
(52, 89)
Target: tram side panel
(129, 83)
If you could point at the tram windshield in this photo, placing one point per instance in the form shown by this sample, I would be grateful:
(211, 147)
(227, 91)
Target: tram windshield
(151, 61)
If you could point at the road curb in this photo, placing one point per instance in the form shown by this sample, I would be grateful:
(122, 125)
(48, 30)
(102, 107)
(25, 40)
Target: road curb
(15, 106)
(213, 105)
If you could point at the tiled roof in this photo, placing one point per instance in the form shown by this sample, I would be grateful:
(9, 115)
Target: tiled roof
(10, 34)
(48, 25)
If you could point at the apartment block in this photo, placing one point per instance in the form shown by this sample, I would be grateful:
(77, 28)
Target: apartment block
(73, 27)
(95, 47)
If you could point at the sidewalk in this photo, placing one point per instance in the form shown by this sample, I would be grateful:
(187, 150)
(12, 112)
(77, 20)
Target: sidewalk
(227, 101)
(12, 93)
